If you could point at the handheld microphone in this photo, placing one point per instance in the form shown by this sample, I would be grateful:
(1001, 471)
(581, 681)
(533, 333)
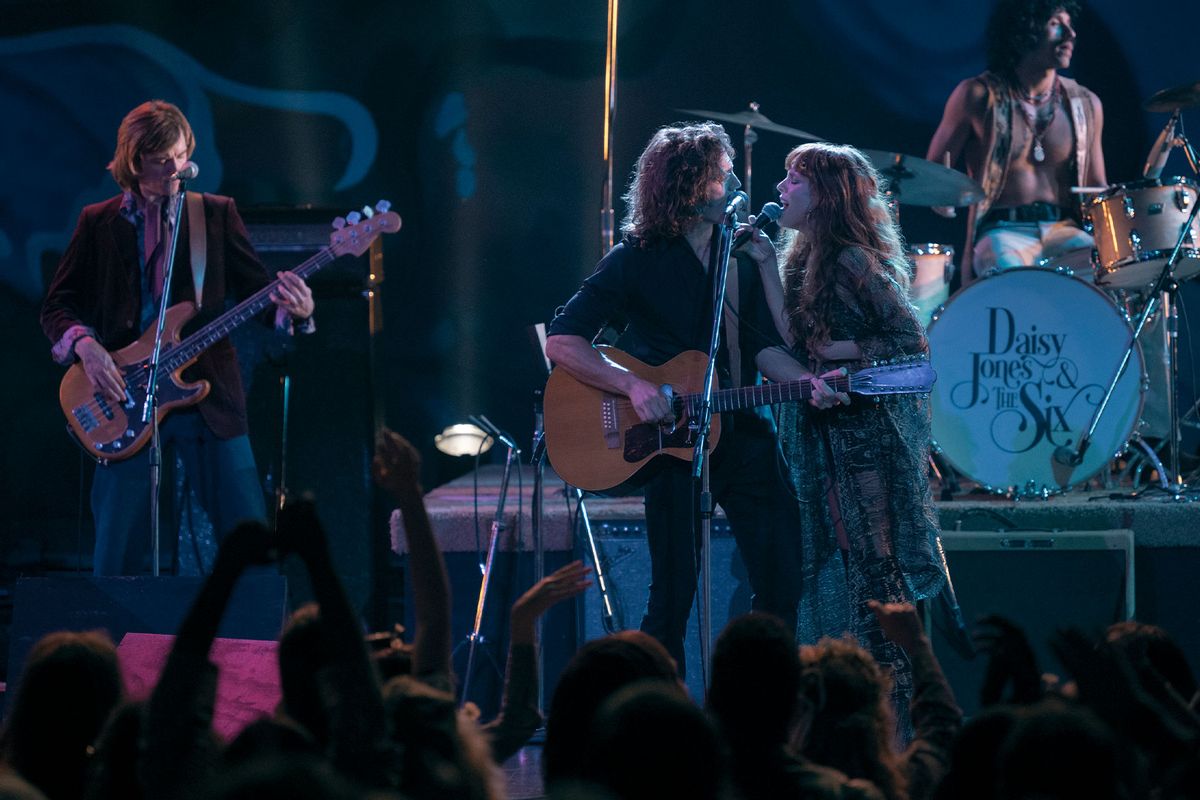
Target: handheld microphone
(186, 173)
(770, 213)
(735, 203)
(1161, 149)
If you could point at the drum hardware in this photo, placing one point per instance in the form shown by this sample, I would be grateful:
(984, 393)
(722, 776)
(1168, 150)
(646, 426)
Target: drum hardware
(932, 270)
(751, 119)
(1165, 289)
(1135, 226)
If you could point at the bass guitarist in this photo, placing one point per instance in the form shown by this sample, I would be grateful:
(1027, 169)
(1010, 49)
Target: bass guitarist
(657, 283)
(106, 292)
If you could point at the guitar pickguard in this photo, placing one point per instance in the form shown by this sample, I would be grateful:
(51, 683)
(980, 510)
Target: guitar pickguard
(645, 439)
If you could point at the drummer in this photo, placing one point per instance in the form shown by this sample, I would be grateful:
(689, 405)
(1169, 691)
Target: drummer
(1027, 134)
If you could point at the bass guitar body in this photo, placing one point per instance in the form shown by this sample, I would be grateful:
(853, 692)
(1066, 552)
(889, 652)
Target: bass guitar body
(111, 431)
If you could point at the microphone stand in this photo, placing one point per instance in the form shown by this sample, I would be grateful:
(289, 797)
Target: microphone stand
(150, 406)
(702, 424)
(1163, 292)
(498, 527)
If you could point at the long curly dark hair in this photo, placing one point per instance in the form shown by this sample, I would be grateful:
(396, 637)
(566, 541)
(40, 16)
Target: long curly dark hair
(852, 723)
(1015, 28)
(668, 184)
(848, 211)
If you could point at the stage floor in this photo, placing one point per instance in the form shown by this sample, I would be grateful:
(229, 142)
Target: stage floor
(459, 506)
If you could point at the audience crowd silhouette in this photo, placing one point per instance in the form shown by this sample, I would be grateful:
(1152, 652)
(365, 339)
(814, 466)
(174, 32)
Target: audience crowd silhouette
(780, 720)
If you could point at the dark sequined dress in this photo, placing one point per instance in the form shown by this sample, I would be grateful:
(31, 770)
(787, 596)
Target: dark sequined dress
(870, 460)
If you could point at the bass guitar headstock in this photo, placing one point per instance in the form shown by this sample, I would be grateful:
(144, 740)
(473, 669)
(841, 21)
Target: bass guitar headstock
(355, 232)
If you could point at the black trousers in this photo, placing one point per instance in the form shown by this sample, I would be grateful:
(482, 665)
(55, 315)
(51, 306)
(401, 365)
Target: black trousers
(748, 482)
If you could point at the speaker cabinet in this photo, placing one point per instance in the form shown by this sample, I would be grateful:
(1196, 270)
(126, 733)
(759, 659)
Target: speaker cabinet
(311, 399)
(626, 558)
(1042, 581)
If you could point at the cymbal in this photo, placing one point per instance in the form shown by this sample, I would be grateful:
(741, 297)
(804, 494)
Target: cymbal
(754, 119)
(916, 182)
(1174, 98)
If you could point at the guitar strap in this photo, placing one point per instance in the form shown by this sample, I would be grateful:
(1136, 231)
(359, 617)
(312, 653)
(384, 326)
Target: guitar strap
(198, 241)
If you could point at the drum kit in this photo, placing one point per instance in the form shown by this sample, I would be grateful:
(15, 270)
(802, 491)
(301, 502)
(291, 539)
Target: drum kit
(1042, 379)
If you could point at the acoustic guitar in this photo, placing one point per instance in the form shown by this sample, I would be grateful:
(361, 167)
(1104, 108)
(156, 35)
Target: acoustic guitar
(596, 441)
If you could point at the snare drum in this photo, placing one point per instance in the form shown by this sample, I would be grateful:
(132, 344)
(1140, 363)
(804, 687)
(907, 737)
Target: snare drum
(1023, 358)
(1136, 226)
(933, 267)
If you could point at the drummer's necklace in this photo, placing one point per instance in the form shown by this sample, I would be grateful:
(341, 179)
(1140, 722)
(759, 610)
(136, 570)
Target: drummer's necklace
(1032, 120)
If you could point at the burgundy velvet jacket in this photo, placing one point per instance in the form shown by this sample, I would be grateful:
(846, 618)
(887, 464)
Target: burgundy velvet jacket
(97, 285)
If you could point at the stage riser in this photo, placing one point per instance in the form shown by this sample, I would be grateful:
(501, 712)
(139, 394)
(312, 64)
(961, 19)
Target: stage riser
(256, 610)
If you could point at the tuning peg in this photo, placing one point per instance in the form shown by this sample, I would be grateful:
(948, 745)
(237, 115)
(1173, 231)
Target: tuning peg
(368, 212)
(339, 223)
(354, 217)
(383, 206)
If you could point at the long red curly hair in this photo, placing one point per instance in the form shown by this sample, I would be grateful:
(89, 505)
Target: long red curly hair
(670, 180)
(848, 211)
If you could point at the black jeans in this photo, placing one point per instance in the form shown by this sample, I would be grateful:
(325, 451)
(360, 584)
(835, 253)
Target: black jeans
(748, 482)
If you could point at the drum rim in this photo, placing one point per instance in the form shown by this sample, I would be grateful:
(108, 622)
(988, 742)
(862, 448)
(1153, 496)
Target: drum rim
(1025, 491)
(1147, 255)
(1144, 183)
(930, 249)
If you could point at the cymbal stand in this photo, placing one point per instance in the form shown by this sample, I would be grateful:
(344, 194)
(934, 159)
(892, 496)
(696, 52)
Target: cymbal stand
(1163, 293)
(749, 137)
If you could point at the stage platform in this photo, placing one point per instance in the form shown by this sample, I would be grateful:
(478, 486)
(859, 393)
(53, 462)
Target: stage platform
(1084, 558)
(1156, 520)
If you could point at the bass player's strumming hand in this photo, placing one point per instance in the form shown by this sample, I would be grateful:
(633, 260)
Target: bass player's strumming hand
(100, 369)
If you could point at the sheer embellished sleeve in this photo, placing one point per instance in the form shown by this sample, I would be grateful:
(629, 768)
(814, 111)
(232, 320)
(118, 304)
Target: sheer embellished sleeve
(888, 326)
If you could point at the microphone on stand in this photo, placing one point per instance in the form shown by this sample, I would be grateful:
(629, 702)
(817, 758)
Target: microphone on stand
(770, 213)
(735, 203)
(1161, 149)
(186, 173)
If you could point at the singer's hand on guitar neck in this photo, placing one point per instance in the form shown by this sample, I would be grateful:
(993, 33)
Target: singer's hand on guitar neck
(100, 369)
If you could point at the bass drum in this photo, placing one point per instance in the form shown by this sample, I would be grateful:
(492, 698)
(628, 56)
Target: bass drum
(1023, 358)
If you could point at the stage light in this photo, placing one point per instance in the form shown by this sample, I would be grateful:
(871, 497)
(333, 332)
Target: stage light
(463, 439)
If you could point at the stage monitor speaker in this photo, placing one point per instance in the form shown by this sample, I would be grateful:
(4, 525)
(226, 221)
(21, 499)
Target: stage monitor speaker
(316, 432)
(1042, 581)
(626, 560)
(134, 605)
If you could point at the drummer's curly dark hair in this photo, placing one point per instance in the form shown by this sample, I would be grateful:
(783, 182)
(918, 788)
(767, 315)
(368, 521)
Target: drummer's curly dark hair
(1015, 28)
(670, 179)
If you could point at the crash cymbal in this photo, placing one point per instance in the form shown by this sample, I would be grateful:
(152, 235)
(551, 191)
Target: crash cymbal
(916, 182)
(1176, 97)
(752, 118)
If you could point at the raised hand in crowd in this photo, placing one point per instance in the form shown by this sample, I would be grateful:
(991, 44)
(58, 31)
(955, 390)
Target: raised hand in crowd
(396, 468)
(519, 715)
(1011, 667)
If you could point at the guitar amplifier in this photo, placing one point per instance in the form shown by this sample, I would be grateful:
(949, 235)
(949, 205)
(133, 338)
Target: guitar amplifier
(1040, 580)
(626, 559)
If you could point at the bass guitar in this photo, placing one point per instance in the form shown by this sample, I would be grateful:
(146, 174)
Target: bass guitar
(596, 441)
(111, 431)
